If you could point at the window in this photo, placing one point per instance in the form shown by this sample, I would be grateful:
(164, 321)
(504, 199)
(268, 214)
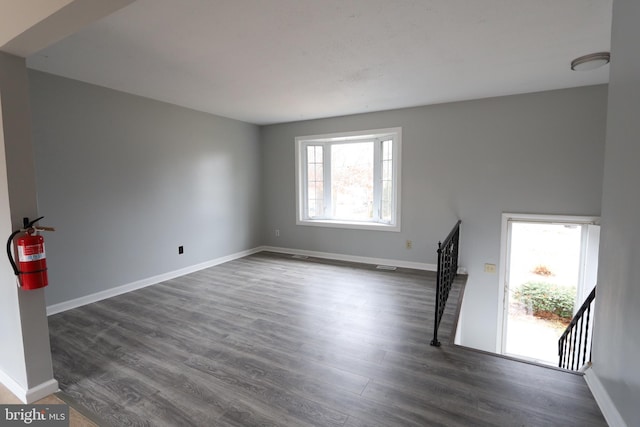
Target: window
(349, 180)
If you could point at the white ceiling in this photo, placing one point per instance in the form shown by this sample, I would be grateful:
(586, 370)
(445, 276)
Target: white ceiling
(272, 61)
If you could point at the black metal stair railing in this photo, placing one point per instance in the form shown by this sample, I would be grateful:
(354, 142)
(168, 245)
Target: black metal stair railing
(447, 271)
(575, 342)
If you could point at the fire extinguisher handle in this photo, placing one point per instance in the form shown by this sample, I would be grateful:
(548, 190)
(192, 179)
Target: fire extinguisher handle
(43, 228)
(10, 255)
(30, 224)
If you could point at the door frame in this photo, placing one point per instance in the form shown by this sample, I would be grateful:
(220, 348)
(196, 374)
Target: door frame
(505, 252)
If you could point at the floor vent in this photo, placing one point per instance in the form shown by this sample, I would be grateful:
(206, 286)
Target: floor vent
(299, 256)
(386, 267)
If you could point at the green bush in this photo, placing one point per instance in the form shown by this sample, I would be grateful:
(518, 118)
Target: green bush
(547, 298)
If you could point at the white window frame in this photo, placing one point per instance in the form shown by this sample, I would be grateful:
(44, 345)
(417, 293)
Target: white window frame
(350, 137)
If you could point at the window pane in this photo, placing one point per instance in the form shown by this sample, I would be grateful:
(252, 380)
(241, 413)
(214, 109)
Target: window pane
(386, 170)
(387, 200)
(315, 202)
(352, 181)
(312, 191)
(314, 172)
(314, 208)
(387, 153)
(315, 182)
(386, 208)
(319, 191)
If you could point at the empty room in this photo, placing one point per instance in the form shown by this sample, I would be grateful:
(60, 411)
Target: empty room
(310, 213)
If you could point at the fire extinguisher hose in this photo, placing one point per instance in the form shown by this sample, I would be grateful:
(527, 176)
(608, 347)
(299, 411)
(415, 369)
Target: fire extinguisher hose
(10, 240)
(10, 255)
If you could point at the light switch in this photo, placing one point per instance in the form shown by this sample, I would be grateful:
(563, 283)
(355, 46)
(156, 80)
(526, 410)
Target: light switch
(490, 268)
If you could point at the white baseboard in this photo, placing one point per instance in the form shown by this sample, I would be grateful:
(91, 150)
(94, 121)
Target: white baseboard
(119, 290)
(42, 390)
(31, 395)
(12, 386)
(608, 408)
(354, 258)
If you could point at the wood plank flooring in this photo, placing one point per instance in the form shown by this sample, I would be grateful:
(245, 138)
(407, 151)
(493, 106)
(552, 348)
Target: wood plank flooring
(273, 341)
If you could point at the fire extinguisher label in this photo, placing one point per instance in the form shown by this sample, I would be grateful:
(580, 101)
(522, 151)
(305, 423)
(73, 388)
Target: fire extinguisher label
(31, 253)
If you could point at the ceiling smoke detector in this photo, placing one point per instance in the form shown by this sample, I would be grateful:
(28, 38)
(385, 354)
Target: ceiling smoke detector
(591, 61)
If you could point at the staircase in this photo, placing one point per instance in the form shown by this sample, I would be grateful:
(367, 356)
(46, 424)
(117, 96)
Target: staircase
(574, 346)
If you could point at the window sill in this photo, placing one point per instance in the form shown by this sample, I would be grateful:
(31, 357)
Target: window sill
(354, 225)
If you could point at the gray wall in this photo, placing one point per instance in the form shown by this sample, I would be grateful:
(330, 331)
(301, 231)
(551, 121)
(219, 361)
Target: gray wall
(24, 335)
(617, 334)
(535, 153)
(125, 180)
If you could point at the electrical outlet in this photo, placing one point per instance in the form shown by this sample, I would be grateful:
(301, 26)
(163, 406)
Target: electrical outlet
(277, 232)
(180, 250)
(490, 268)
(409, 244)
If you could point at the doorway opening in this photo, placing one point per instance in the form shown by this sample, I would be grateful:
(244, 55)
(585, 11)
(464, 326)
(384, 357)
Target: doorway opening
(549, 266)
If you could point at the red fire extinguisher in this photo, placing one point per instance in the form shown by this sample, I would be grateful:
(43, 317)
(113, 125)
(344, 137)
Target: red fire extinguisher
(32, 262)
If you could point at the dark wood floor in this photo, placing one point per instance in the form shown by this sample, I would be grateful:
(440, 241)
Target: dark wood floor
(271, 340)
